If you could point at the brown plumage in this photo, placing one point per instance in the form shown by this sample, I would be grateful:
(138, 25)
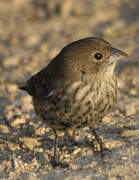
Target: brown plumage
(78, 88)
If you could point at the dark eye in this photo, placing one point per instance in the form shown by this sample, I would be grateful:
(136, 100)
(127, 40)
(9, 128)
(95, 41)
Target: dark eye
(98, 56)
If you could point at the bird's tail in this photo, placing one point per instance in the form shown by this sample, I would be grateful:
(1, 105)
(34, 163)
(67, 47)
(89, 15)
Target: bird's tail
(23, 87)
(28, 88)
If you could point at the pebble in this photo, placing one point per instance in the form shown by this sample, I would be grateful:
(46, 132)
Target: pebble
(130, 109)
(4, 129)
(11, 61)
(18, 121)
(30, 143)
(33, 40)
(129, 133)
(112, 178)
(17, 104)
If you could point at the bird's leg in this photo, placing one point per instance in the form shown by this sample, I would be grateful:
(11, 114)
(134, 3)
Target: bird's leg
(54, 159)
(99, 146)
(72, 137)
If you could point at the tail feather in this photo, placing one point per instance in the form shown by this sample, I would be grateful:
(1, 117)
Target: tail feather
(28, 88)
(24, 87)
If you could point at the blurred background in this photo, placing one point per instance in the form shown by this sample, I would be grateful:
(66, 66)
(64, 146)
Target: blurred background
(32, 32)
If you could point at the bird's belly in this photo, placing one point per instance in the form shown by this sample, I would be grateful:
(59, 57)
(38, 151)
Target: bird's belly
(82, 108)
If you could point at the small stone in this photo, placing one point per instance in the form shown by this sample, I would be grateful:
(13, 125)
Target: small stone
(33, 40)
(77, 151)
(18, 121)
(112, 178)
(12, 88)
(41, 130)
(4, 129)
(124, 158)
(11, 61)
(129, 133)
(17, 104)
(133, 92)
(130, 109)
(44, 48)
(74, 167)
(30, 143)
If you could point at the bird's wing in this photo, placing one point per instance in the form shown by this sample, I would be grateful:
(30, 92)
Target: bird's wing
(44, 81)
(36, 86)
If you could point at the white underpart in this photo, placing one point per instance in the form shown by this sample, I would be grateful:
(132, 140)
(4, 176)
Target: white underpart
(82, 91)
(73, 87)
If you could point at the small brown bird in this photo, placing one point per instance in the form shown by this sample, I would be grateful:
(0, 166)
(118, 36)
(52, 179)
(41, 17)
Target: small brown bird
(78, 88)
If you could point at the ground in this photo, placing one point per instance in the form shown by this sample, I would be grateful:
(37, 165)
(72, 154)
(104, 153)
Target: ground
(31, 34)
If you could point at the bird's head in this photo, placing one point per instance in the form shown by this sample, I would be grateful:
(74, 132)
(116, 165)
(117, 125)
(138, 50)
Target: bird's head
(90, 56)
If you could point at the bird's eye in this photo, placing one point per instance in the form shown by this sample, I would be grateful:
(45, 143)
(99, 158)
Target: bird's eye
(98, 56)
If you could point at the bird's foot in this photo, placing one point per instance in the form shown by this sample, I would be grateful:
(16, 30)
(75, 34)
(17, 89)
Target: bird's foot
(99, 147)
(56, 162)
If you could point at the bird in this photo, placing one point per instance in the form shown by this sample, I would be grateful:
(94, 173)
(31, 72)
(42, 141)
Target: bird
(77, 88)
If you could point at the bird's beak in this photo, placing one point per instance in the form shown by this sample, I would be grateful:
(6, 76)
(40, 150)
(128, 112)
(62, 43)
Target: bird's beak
(117, 54)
